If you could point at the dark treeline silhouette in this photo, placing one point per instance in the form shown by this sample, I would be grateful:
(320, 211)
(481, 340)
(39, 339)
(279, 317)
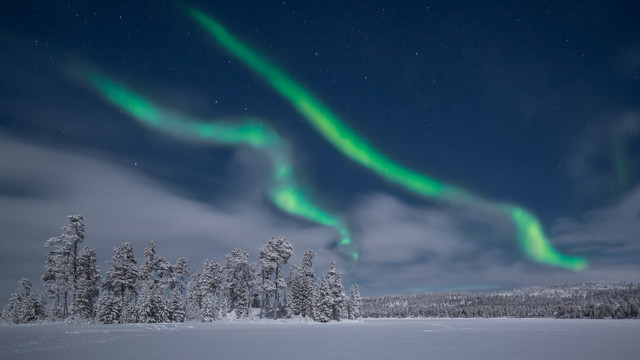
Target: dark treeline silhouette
(588, 300)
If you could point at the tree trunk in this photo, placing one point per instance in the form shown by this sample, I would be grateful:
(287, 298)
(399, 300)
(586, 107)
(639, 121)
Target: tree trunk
(263, 296)
(276, 299)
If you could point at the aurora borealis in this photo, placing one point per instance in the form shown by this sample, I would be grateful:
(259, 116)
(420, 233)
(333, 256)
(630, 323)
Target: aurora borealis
(529, 232)
(435, 145)
(283, 190)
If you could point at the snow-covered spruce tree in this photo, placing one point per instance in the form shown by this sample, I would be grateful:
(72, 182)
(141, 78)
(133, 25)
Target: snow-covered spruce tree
(309, 283)
(176, 303)
(56, 277)
(74, 235)
(176, 306)
(121, 281)
(210, 308)
(266, 286)
(194, 298)
(61, 268)
(334, 279)
(151, 304)
(355, 302)
(210, 284)
(273, 255)
(88, 285)
(155, 277)
(301, 283)
(323, 302)
(237, 283)
(181, 275)
(294, 303)
(109, 309)
(25, 305)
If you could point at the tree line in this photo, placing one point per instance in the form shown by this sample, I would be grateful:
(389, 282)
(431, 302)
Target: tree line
(589, 300)
(158, 291)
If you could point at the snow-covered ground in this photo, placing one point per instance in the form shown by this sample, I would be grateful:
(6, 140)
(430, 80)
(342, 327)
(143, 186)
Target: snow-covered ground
(370, 339)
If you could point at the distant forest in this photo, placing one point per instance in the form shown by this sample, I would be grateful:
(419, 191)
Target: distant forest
(580, 301)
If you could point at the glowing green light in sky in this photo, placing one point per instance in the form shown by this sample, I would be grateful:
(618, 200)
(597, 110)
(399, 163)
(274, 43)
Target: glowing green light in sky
(283, 191)
(530, 233)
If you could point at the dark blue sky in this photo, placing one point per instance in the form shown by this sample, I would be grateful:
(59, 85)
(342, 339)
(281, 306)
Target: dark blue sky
(531, 103)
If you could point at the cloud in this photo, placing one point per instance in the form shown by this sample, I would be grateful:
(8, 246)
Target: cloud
(418, 248)
(610, 234)
(41, 185)
(599, 163)
(405, 247)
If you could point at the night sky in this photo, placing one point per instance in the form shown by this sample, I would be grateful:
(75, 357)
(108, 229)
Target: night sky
(533, 104)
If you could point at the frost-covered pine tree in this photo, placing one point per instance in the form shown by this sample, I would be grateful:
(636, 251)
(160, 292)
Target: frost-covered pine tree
(209, 310)
(181, 275)
(210, 285)
(301, 283)
(211, 278)
(194, 298)
(88, 285)
(294, 304)
(266, 287)
(355, 302)
(121, 281)
(56, 277)
(74, 235)
(176, 304)
(25, 305)
(61, 267)
(155, 277)
(323, 302)
(238, 282)
(272, 256)
(109, 309)
(336, 289)
(176, 307)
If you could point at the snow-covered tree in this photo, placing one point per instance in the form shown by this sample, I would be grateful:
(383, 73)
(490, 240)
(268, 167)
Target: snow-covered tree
(109, 309)
(25, 305)
(56, 277)
(210, 284)
(181, 275)
(301, 283)
(238, 282)
(61, 268)
(194, 298)
(211, 278)
(74, 235)
(155, 278)
(355, 303)
(266, 287)
(323, 302)
(209, 308)
(151, 304)
(176, 304)
(87, 286)
(121, 280)
(176, 307)
(275, 253)
(336, 289)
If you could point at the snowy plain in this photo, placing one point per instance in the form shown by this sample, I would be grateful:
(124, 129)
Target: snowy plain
(368, 339)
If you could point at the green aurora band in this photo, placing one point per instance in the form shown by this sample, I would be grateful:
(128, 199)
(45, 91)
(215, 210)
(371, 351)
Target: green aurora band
(530, 233)
(284, 191)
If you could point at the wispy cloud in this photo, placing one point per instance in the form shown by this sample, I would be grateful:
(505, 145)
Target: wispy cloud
(405, 247)
(120, 204)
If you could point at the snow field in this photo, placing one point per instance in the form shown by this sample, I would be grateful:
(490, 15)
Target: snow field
(294, 339)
